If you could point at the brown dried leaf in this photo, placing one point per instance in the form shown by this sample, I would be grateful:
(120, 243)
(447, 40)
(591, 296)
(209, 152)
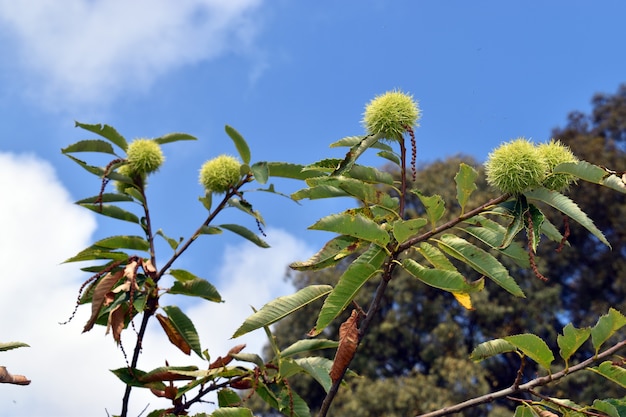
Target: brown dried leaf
(99, 295)
(148, 267)
(8, 378)
(221, 362)
(116, 321)
(348, 343)
(130, 271)
(164, 376)
(172, 334)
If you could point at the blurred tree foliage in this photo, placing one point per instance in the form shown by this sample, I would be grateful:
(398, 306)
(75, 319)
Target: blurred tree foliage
(415, 358)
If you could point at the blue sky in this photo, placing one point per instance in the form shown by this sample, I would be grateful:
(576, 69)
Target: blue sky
(292, 77)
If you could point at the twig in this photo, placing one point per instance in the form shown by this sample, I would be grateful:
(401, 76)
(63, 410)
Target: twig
(548, 399)
(411, 242)
(527, 387)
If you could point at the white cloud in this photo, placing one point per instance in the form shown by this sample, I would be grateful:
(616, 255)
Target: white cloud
(39, 227)
(86, 51)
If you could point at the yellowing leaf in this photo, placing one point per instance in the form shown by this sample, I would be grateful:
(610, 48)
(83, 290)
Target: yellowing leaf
(463, 299)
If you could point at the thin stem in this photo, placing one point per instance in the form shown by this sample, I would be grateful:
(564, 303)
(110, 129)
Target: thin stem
(411, 242)
(153, 298)
(151, 302)
(527, 387)
(209, 219)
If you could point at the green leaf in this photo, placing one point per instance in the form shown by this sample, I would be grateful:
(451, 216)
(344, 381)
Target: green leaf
(281, 307)
(93, 253)
(206, 200)
(106, 132)
(127, 242)
(12, 345)
(97, 171)
(518, 211)
(105, 198)
(240, 143)
(571, 339)
(606, 407)
(355, 152)
(353, 225)
(465, 184)
(293, 171)
(435, 257)
(537, 218)
(434, 205)
(351, 141)
(307, 345)
(493, 238)
(197, 287)
(173, 137)
(319, 368)
(226, 397)
(132, 377)
(245, 233)
(606, 327)
(185, 327)
(349, 284)
(593, 173)
(232, 412)
(390, 156)
(491, 348)
(333, 251)
(261, 172)
(249, 357)
(451, 281)
(525, 411)
(533, 347)
(182, 275)
(246, 208)
(371, 175)
(112, 211)
(209, 230)
(568, 207)
(404, 229)
(481, 261)
(611, 372)
(361, 190)
(319, 192)
(92, 145)
(172, 242)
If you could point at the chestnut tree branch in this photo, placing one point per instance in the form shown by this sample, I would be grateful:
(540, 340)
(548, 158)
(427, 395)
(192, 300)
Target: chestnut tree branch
(528, 386)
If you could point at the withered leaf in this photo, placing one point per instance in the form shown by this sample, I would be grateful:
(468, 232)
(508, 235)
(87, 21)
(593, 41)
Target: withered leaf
(348, 343)
(116, 321)
(169, 392)
(172, 334)
(99, 294)
(148, 267)
(164, 375)
(8, 378)
(223, 361)
(130, 271)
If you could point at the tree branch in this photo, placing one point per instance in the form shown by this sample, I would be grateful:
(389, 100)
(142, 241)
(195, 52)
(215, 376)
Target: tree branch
(537, 382)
